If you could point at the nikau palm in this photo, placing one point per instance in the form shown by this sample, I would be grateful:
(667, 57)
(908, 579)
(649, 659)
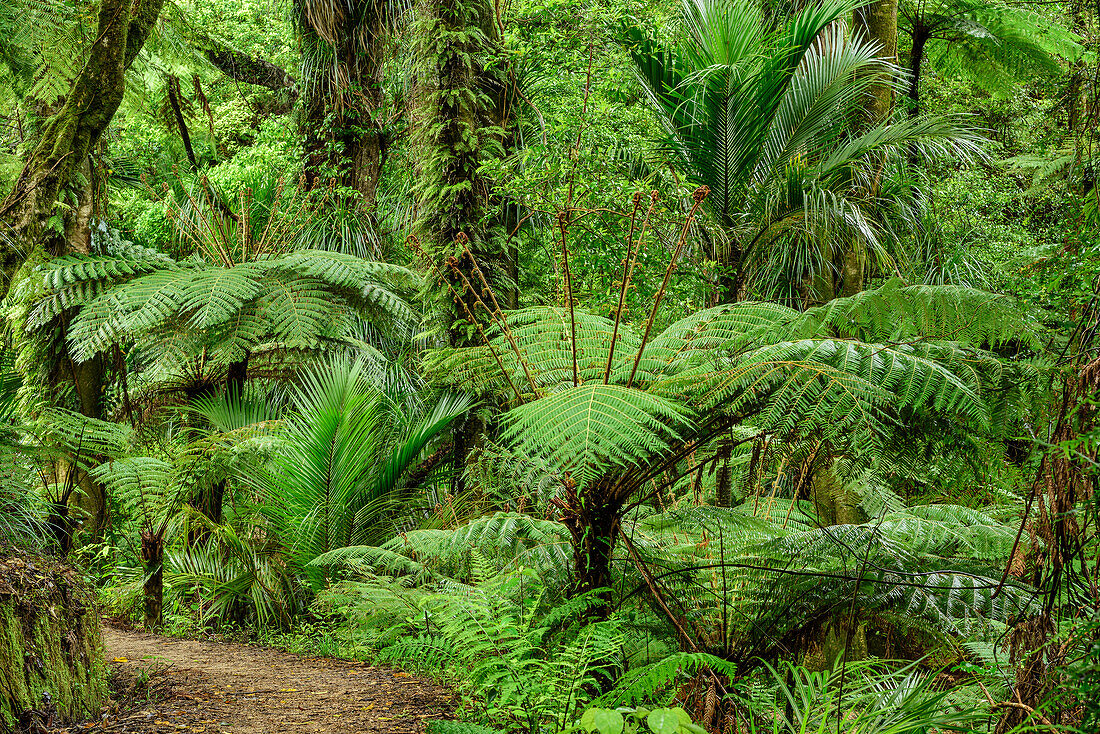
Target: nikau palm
(763, 111)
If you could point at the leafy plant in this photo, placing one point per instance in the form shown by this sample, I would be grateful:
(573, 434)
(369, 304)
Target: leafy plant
(354, 437)
(831, 382)
(528, 668)
(629, 720)
(858, 698)
(759, 109)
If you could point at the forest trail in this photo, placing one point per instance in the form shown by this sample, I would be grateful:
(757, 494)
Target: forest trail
(214, 687)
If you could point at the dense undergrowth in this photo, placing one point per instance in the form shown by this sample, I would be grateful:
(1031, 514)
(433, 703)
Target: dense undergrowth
(632, 367)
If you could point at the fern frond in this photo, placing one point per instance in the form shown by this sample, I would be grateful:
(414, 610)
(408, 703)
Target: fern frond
(592, 428)
(896, 312)
(649, 683)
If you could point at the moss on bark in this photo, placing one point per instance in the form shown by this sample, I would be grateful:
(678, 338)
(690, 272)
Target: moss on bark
(51, 654)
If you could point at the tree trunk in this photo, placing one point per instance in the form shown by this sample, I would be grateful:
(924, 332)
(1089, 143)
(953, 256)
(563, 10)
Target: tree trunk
(853, 267)
(833, 502)
(61, 525)
(723, 482)
(152, 554)
(209, 502)
(181, 124)
(68, 138)
(235, 377)
(916, 62)
(592, 517)
(878, 23)
(88, 378)
(248, 69)
(457, 125)
(342, 87)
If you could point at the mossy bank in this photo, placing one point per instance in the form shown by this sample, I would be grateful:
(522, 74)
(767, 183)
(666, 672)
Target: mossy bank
(51, 654)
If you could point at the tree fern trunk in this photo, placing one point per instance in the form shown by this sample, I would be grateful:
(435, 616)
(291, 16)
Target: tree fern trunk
(342, 66)
(181, 124)
(152, 555)
(916, 63)
(210, 500)
(592, 517)
(723, 483)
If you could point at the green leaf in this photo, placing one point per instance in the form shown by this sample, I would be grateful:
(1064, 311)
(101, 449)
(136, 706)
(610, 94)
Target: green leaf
(606, 721)
(663, 721)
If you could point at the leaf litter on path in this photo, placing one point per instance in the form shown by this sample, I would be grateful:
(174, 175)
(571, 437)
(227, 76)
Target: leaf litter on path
(171, 686)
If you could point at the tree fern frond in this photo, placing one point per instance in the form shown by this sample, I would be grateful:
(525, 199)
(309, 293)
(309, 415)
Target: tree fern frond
(896, 311)
(589, 429)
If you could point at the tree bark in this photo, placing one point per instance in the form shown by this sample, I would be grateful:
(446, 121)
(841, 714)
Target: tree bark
(591, 514)
(210, 502)
(69, 137)
(250, 70)
(152, 554)
(723, 482)
(181, 124)
(342, 85)
(458, 123)
(878, 23)
(916, 62)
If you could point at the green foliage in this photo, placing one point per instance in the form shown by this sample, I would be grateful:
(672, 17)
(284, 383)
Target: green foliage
(355, 434)
(527, 669)
(148, 488)
(501, 541)
(237, 579)
(591, 429)
(759, 110)
(299, 300)
(660, 680)
(993, 44)
(443, 726)
(291, 456)
(625, 720)
(859, 697)
(844, 373)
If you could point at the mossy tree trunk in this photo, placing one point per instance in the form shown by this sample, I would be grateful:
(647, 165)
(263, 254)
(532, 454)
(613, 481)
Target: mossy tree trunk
(878, 23)
(68, 138)
(57, 194)
(592, 515)
(458, 125)
(342, 74)
(51, 655)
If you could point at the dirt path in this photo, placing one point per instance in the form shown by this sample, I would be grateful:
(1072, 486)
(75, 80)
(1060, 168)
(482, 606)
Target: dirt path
(198, 686)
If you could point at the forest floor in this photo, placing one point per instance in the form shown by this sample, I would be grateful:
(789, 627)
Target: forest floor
(164, 684)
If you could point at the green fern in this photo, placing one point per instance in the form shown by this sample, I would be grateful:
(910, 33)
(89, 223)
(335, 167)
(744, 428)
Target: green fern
(591, 429)
(660, 681)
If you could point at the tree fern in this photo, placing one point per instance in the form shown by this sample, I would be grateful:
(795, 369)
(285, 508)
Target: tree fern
(147, 487)
(591, 429)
